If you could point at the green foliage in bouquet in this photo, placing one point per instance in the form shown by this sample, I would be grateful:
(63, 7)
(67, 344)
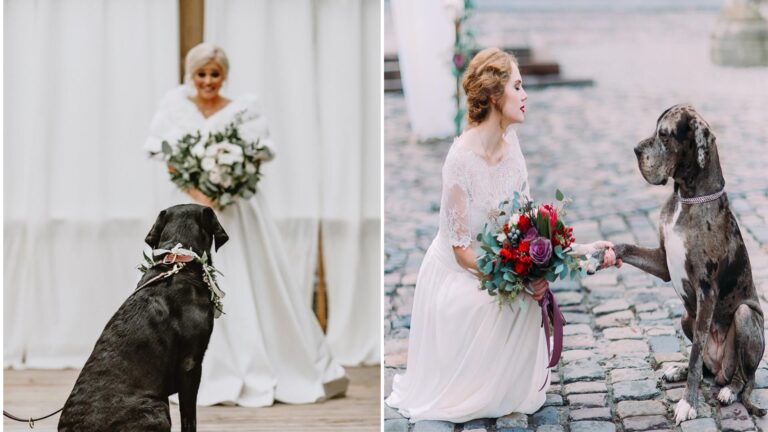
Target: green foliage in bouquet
(525, 243)
(223, 165)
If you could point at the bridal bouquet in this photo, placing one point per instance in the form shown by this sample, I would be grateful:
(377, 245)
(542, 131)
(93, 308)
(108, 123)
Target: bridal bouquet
(223, 166)
(526, 243)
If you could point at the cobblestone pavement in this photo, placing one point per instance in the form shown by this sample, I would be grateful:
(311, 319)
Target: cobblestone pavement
(623, 325)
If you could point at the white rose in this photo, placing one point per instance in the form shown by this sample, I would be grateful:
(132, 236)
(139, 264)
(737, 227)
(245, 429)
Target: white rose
(514, 219)
(208, 163)
(230, 158)
(250, 168)
(233, 148)
(198, 150)
(224, 147)
(501, 237)
(214, 177)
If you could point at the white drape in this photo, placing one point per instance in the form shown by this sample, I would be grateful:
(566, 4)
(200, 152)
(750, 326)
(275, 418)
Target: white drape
(275, 61)
(83, 81)
(425, 37)
(315, 65)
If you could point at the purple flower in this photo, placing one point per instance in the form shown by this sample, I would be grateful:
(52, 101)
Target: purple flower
(541, 251)
(458, 61)
(530, 234)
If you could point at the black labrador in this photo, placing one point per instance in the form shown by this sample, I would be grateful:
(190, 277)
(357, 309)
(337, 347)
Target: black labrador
(153, 346)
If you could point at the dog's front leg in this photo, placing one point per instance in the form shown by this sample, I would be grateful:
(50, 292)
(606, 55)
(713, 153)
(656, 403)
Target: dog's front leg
(653, 261)
(189, 382)
(705, 308)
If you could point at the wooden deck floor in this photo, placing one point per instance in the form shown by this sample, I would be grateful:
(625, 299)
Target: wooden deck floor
(38, 392)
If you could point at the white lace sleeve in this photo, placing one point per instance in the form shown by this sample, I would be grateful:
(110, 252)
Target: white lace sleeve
(455, 204)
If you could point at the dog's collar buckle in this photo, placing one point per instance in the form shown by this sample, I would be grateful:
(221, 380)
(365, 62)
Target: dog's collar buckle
(701, 199)
(173, 258)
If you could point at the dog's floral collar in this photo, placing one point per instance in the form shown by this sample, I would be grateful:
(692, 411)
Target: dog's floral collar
(181, 255)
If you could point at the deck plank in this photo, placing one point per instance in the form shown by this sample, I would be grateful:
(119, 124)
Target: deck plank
(38, 392)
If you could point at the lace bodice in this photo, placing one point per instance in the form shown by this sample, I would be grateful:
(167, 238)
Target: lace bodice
(472, 189)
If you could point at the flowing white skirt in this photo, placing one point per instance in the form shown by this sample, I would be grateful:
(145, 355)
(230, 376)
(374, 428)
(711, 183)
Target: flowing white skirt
(467, 357)
(268, 344)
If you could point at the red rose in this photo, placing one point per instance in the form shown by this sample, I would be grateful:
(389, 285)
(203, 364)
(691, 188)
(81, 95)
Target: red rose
(523, 224)
(505, 255)
(521, 269)
(523, 265)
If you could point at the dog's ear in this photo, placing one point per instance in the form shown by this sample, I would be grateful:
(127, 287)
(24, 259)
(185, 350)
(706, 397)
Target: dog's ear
(214, 228)
(704, 139)
(153, 238)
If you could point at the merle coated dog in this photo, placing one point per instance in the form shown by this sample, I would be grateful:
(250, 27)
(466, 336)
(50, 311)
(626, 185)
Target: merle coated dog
(153, 346)
(702, 252)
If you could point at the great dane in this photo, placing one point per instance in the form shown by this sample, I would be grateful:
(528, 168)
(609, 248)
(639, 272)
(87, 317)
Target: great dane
(153, 346)
(702, 252)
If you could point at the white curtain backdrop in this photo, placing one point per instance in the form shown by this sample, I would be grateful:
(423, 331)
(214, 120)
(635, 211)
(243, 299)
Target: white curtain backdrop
(315, 66)
(82, 82)
(275, 61)
(425, 37)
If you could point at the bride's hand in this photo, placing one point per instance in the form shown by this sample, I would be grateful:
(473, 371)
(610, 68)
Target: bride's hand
(609, 257)
(540, 287)
(200, 198)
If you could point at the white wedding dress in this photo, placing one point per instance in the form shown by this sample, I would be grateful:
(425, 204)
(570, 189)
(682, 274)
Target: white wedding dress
(467, 357)
(267, 345)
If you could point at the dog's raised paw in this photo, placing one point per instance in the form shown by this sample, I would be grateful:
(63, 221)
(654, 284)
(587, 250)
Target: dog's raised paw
(675, 373)
(726, 396)
(684, 411)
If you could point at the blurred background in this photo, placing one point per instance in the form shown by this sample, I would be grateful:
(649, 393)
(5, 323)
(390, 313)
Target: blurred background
(598, 74)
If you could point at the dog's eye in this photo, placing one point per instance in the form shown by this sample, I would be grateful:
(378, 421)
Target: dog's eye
(663, 134)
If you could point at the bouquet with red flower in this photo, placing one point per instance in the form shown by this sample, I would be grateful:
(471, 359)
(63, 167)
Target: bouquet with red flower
(527, 243)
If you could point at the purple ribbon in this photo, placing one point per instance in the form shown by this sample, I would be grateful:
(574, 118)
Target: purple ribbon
(551, 310)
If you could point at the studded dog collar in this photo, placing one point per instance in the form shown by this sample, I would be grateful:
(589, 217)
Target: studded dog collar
(701, 199)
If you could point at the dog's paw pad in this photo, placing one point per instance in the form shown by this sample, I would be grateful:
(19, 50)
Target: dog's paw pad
(674, 374)
(684, 411)
(726, 396)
